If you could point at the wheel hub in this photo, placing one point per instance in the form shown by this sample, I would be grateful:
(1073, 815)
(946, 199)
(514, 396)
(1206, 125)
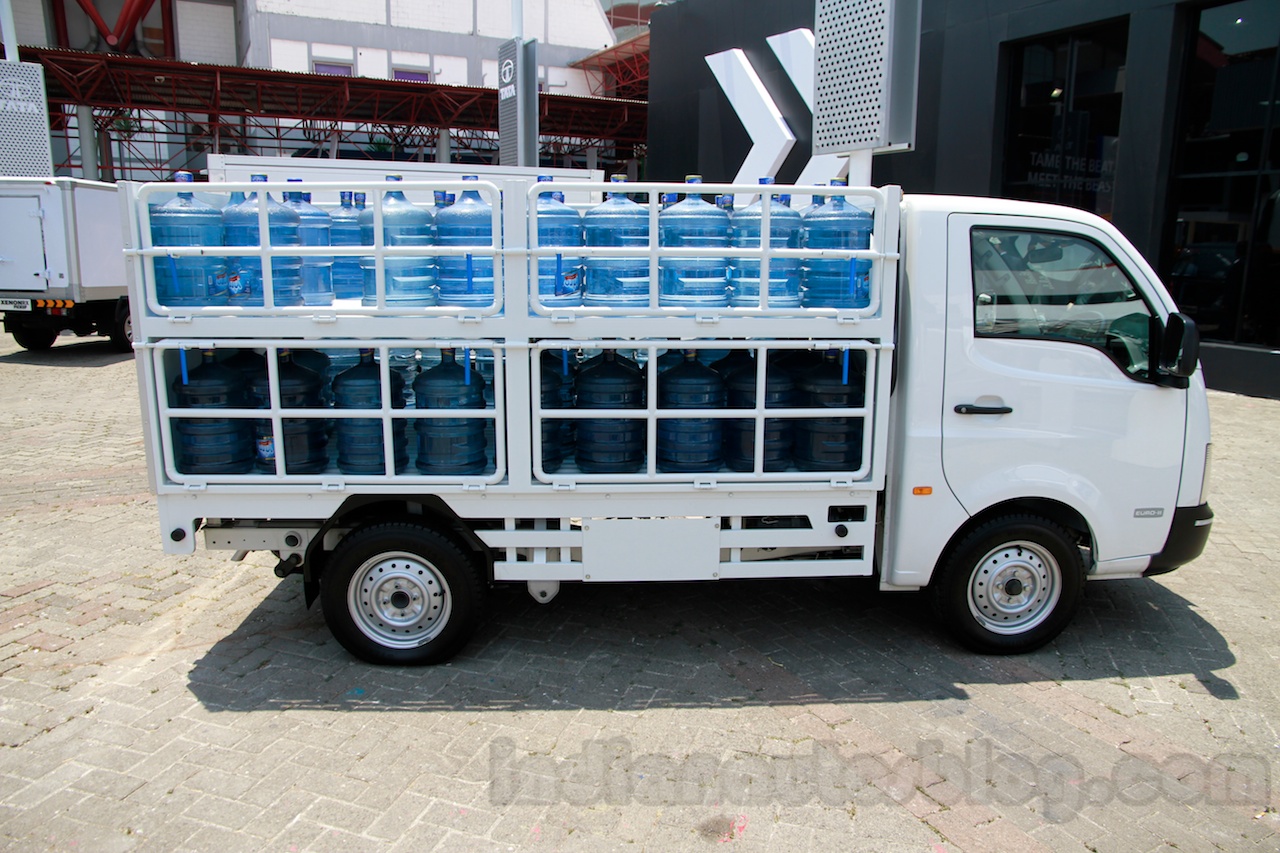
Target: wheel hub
(399, 600)
(1014, 587)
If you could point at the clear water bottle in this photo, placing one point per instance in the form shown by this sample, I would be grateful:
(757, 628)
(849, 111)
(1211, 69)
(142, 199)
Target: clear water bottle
(785, 232)
(450, 445)
(564, 364)
(617, 282)
(835, 282)
(831, 444)
(551, 395)
(816, 202)
(733, 360)
(410, 281)
(240, 228)
(211, 445)
(693, 282)
(610, 445)
(466, 280)
(304, 439)
(314, 227)
(690, 444)
(740, 433)
(188, 221)
(559, 276)
(348, 278)
(360, 445)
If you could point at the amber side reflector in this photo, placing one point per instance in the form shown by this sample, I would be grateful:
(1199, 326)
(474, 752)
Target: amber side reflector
(922, 490)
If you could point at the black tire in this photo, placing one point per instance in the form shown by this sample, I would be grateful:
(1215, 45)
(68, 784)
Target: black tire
(1010, 585)
(401, 594)
(122, 331)
(34, 338)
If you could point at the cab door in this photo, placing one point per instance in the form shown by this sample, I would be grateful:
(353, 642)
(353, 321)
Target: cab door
(1049, 390)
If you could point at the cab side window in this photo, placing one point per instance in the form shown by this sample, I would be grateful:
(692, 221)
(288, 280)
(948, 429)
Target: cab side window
(1058, 287)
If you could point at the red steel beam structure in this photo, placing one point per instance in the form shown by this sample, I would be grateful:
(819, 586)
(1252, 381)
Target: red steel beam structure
(122, 82)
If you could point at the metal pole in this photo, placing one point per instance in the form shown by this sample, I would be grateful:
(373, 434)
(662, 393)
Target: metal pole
(10, 35)
(517, 18)
(88, 141)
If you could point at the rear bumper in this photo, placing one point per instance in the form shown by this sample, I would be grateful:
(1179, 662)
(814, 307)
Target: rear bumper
(1187, 538)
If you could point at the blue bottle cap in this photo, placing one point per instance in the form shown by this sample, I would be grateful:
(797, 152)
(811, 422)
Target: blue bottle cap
(184, 177)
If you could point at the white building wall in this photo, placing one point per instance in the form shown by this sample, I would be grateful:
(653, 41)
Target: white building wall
(359, 11)
(373, 62)
(29, 24)
(289, 55)
(445, 16)
(206, 32)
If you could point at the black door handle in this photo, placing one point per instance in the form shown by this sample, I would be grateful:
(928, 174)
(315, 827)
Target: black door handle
(971, 409)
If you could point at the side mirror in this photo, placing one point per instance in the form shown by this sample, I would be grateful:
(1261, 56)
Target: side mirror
(1179, 348)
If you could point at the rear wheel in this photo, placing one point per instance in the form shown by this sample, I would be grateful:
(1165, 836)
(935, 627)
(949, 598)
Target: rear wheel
(401, 594)
(1011, 585)
(34, 338)
(122, 331)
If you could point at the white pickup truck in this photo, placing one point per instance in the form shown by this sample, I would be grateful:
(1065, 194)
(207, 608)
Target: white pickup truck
(1030, 416)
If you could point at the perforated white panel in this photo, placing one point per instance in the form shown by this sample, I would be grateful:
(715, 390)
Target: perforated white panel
(852, 74)
(24, 121)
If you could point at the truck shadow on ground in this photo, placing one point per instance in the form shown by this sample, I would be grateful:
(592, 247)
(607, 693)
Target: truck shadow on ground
(630, 647)
(71, 352)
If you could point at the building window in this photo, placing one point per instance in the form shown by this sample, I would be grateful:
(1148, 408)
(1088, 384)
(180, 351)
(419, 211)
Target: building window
(411, 75)
(1226, 191)
(1066, 91)
(338, 69)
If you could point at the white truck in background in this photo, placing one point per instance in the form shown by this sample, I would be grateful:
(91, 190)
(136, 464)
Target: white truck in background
(60, 263)
(1033, 417)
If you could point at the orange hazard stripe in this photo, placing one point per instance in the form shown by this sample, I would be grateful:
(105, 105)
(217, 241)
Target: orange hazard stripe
(55, 303)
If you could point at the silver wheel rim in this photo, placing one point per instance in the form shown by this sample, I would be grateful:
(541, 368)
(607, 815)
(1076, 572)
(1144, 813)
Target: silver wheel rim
(399, 600)
(1014, 587)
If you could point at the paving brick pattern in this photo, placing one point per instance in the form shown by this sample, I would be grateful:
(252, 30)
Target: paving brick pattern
(167, 703)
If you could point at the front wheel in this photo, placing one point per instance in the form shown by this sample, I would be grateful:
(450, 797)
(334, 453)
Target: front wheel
(401, 594)
(1010, 586)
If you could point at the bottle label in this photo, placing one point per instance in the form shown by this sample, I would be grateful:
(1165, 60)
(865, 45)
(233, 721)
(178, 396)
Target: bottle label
(234, 285)
(267, 449)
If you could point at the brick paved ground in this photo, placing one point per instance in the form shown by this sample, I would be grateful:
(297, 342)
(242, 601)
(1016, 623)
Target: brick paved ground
(163, 703)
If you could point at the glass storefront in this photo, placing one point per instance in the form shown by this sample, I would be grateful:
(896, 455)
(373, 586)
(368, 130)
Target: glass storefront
(1066, 92)
(1224, 269)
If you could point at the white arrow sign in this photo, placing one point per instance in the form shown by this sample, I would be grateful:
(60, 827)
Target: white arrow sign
(771, 138)
(796, 52)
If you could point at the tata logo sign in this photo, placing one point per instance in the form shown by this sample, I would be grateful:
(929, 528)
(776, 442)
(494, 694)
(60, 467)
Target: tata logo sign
(507, 75)
(19, 97)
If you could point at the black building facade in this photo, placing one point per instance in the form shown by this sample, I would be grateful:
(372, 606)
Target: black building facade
(1163, 117)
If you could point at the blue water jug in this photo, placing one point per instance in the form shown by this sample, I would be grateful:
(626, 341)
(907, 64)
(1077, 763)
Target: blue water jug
(411, 280)
(314, 226)
(785, 232)
(833, 282)
(690, 444)
(360, 445)
(564, 364)
(348, 278)
(559, 276)
(450, 445)
(552, 430)
(617, 282)
(188, 221)
(240, 228)
(732, 361)
(693, 282)
(610, 445)
(466, 280)
(740, 433)
(211, 445)
(830, 444)
(304, 439)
